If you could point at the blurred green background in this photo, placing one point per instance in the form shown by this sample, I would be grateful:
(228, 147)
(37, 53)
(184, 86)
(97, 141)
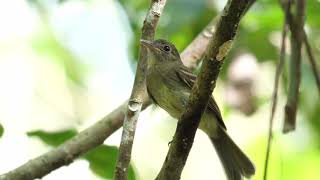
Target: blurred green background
(66, 64)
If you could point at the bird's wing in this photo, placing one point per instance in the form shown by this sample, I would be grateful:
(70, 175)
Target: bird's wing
(186, 76)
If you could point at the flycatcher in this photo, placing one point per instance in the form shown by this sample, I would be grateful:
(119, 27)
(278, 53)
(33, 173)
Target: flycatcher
(169, 85)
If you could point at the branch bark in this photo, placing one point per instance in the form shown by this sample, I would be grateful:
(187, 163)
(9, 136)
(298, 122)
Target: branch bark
(88, 139)
(297, 37)
(218, 48)
(138, 92)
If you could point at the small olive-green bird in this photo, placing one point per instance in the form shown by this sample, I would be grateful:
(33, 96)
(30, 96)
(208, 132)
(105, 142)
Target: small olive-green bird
(169, 85)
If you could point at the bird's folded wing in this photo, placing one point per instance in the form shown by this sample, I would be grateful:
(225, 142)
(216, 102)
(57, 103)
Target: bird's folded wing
(186, 76)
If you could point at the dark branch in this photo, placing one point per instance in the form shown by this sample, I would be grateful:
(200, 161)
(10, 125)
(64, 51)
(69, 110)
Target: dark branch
(218, 48)
(296, 24)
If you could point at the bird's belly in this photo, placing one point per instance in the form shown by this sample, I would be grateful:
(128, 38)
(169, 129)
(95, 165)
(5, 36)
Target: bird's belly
(174, 102)
(171, 100)
(175, 106)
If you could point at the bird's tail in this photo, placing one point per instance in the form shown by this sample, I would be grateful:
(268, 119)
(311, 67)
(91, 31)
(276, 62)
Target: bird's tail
(234, 161)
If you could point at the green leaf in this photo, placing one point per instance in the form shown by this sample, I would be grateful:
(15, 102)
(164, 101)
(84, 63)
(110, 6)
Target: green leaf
(288, 159)
(1, 130)
(312, 14)
(53, 138)
(103, 161)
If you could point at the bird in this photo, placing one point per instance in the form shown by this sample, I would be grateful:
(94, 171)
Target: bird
(169, 85)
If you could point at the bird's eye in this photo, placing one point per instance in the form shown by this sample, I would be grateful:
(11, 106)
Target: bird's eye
(167, 48)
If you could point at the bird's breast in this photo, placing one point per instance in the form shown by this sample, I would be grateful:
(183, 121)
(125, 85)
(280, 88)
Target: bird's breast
(166, 94)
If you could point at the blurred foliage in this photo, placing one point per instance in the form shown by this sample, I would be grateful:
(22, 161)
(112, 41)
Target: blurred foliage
(310, 102)
(312, 14)
(313, 115)
(285, 160)
(263, 19)
(53, 138)
(103, 160)
(181, 21)
(1, 130)
(180, 26)
(46, 43)
(176, 24)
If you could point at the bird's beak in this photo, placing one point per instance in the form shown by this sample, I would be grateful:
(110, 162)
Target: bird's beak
(145, 43)
(149, 45)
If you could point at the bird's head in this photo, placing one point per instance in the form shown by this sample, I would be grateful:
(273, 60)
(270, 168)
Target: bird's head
(161, 51)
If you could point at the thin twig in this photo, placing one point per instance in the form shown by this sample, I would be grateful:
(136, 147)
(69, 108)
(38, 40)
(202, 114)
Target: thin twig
(86, 140)
(275, 90)
(219, 46)
(138, 90)
(308, 48)
(312, 60)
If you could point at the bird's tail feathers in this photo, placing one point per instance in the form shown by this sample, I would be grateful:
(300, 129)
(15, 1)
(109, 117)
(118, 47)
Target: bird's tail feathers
(235, 162)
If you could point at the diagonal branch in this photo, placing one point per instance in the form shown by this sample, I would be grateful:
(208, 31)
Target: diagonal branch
(88, 139)
(218, 48)
(312, 60)
(138, 92)
(70, 150)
